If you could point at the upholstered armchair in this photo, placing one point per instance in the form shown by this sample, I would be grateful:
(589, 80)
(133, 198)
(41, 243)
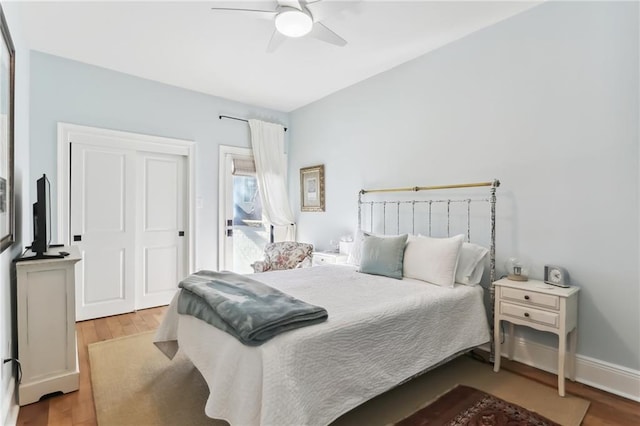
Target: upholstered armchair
(285, 255)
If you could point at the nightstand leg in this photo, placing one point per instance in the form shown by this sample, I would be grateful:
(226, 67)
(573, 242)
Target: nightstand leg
(562, 349)
(512, 338)
(496, 342)
(573, 342)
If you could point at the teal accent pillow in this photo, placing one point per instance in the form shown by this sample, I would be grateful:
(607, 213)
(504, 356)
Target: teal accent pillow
(383, 255)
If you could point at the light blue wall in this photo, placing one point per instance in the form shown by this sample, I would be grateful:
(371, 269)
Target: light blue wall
(548, 103)
(63, 90)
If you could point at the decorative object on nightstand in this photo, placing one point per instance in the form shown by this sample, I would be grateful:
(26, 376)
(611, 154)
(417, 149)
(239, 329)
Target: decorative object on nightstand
(345, 247)
(556, 275)
(517, 269)
(542, 307)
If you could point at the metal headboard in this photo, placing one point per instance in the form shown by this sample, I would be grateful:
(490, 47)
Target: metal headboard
(465, 201)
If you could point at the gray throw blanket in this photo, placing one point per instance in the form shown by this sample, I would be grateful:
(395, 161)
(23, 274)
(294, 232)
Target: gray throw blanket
(247, 309)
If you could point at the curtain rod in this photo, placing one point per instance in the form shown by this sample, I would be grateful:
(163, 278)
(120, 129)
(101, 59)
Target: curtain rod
(494, 184)
(239, 119)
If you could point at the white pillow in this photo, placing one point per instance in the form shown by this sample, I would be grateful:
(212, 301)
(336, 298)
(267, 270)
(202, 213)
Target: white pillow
(432, 259)
(356, 249)
(471, 264)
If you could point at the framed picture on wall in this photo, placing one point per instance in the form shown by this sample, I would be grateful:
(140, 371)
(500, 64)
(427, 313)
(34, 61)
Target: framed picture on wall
(312, 189)
(7, 67)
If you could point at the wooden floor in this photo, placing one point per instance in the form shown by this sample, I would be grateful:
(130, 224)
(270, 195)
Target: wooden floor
(605, 408)
(76, 408)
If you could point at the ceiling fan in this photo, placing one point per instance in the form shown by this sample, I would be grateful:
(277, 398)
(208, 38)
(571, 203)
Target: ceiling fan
(297, 18)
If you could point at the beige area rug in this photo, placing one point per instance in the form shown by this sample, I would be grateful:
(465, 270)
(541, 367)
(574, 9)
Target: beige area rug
(135, 384)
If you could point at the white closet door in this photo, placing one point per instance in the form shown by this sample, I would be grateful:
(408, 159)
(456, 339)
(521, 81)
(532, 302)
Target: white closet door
(103, 227)
(161, 224)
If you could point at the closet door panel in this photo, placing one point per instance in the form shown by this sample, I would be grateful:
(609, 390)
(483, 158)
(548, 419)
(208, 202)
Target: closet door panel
(102, 225)
(161, 225)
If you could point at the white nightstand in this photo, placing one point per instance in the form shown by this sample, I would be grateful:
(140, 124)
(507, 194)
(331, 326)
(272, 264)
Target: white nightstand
(328, 258)
(541, 306)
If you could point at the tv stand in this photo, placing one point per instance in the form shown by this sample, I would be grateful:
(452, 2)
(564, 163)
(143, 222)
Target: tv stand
(39, 256)
(46, 332)
(51, 254)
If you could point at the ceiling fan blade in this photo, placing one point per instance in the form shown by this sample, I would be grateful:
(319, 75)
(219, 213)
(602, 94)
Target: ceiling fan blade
(276, 40)
(256, 13)
(321, 10)
(290, 3)
(323, 33)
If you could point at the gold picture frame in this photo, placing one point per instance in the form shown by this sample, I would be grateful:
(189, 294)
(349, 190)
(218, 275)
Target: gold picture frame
(312, 189)
(7, 75)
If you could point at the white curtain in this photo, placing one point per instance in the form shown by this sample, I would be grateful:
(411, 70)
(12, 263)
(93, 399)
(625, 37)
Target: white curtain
(267, 140)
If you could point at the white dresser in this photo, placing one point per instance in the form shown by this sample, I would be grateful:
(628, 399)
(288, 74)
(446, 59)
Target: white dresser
(47, 347)
(543, 307)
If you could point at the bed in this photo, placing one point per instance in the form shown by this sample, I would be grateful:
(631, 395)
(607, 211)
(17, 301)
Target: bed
(380, 332)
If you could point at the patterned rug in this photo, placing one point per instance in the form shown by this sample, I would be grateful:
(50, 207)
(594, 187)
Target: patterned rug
(464, 405)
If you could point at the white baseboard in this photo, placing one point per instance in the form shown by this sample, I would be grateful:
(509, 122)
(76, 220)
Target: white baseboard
(605, 376)
(9, 407)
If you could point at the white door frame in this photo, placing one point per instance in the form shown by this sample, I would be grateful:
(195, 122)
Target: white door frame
(115, 138)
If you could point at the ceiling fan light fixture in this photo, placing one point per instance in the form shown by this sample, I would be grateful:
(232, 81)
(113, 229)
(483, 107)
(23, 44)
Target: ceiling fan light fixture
(293, 23)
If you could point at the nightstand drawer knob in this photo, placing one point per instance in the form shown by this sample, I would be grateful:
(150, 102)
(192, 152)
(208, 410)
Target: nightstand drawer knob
(526, 297)
(526, 314)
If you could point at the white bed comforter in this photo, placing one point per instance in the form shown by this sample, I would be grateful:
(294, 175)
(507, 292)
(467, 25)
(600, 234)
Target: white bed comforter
(380, 332)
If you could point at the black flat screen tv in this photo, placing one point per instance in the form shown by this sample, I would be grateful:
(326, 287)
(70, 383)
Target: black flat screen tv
(42, 217)
(42, 224)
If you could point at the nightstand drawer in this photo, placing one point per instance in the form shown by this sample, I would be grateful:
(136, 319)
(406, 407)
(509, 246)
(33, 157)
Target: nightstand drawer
(328, 258)
(529, 314)
(530, 297)
(321, 260)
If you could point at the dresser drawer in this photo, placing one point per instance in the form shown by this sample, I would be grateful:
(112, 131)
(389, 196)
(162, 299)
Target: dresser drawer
(530, 314)
(530, 297)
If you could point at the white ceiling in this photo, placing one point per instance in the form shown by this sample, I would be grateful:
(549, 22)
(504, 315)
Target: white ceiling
(187, 44)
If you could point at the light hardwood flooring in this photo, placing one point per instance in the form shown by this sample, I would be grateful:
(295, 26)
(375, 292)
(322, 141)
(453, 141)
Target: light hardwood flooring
(76, 408)
(605, 408)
